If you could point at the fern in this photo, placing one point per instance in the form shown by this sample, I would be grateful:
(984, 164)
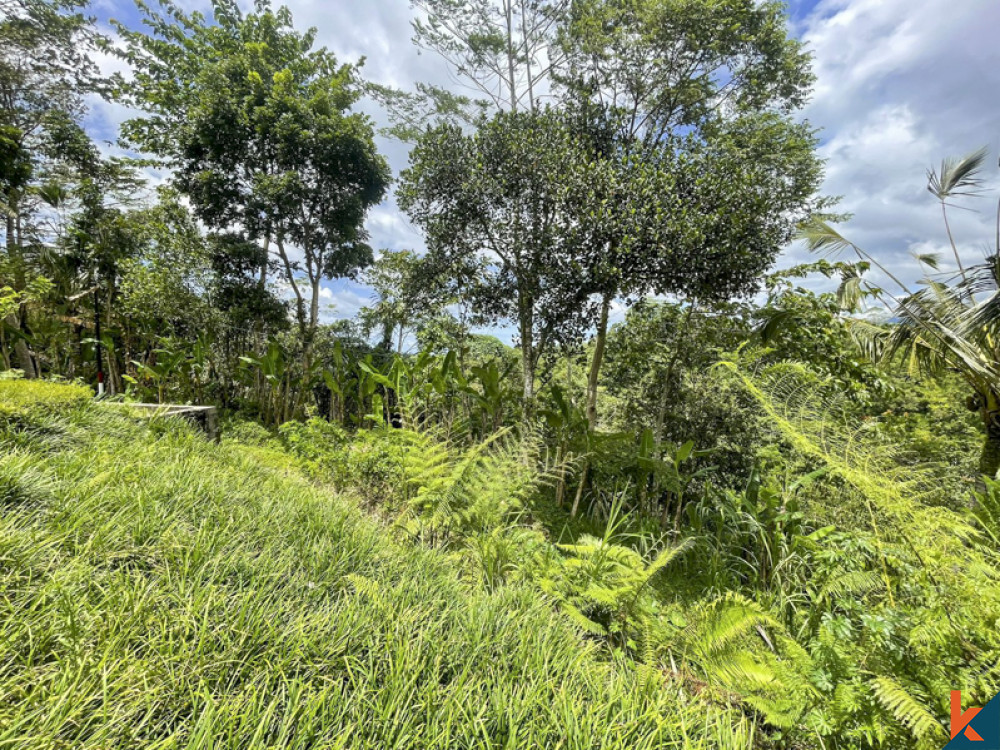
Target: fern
(892, 497)
(725, 621)
(908, 711)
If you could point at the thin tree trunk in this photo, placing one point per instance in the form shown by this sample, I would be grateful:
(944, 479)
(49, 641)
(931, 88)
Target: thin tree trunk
(989, 457)
(598, 359)
(527, 356)
(666, 511)
(527, 56)
(579, 490)
(509, 13)
(951, 239)
(22, 354)
(561, 485)
(262, 278)
(671, 366)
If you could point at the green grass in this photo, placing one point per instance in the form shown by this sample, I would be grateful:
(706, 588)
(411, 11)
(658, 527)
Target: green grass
(25, 397)
(160, 591)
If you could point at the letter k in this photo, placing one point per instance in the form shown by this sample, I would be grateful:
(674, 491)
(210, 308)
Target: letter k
(960, 721)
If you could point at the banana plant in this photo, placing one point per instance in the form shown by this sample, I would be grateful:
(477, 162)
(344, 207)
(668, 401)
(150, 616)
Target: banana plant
(370, 378)
(572, 431)
(162, 365)
(271, 375)
(199, 365)
(663, 471)
(491, 396)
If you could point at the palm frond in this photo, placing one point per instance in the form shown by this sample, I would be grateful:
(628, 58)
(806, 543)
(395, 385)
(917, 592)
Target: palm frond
(870, 337)
(774, 324)
(820, 237)
(932, 333)
(958, 176)
(931, 260)
(850, 291)
(983, 318)
(982, 277)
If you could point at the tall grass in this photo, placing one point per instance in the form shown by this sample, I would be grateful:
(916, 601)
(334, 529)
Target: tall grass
(160, 591)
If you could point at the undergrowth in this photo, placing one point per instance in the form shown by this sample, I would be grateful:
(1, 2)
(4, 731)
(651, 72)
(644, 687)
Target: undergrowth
(162, 591)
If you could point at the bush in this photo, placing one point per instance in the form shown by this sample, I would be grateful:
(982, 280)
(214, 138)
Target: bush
(369, 460)
(22, 398)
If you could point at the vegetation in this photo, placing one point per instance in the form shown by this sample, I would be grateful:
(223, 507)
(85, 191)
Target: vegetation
(745, 515)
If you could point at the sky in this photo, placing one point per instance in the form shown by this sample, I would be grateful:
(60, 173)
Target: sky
(901, 84)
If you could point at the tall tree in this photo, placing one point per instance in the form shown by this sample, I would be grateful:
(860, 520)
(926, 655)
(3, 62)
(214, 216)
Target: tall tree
(713, 80)
(401, 301)
(504, 50)
(502, 55)
(260, 130)
(513, 194)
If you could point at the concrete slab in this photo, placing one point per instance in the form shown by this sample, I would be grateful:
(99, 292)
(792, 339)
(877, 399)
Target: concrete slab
(205, 417)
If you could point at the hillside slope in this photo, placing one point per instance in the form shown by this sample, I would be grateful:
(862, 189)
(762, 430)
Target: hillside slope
(162, 591)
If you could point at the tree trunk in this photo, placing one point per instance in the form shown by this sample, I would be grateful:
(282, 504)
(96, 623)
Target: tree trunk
(682, 328)
(595, 364)
(511, 53)
(665, 516)
(527, 356)
(579, 490)
(989, 458)
(528, 374)
(22, 353)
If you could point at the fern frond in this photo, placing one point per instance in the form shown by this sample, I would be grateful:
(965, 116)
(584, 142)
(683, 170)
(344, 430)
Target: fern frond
(582, 621)
(729, 618)
(907, 710)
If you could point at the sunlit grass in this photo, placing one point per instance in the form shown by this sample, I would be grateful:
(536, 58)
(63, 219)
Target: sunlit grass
(160, 591)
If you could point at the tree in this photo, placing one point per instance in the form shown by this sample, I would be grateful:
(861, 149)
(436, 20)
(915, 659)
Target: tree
(513, 193)
(400, 301)
(45, 70)
(713, 80)
(505, 50)
(666, 64)
(502, 53)
(945, 325)
(259, 128)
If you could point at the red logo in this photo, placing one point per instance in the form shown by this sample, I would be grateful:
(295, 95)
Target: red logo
(960, 721)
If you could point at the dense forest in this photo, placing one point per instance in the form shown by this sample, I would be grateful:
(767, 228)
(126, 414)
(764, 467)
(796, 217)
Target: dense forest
(702, 500)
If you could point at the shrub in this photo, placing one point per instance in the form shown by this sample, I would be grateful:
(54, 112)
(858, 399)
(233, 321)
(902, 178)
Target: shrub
(24, 398)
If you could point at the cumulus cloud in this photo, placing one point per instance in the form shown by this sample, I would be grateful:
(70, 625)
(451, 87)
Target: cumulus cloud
(902, 84)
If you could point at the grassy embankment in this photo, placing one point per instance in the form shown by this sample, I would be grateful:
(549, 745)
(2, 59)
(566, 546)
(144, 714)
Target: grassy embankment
(161, 591)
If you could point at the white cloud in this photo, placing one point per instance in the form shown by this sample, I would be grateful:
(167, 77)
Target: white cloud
(902, 84)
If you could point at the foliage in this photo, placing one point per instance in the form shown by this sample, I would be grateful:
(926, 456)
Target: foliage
(513, 193)
(275, 152)
(232, 601)
(505, 52)
(942, 326)
(598, 538)
(21, 399)
(606, 589)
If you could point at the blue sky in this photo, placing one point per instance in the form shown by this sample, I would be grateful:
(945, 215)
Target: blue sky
(901, 84)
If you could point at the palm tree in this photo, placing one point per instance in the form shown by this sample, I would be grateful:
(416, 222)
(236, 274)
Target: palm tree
(952, 322)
